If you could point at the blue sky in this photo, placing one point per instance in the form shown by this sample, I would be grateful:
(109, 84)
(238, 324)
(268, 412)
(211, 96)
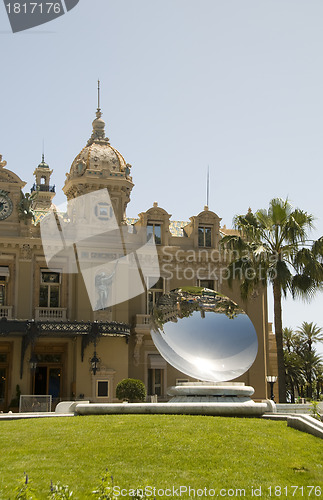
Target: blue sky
(233, 84)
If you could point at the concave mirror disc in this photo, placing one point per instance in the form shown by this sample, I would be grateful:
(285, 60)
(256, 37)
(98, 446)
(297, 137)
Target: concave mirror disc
(204, 334)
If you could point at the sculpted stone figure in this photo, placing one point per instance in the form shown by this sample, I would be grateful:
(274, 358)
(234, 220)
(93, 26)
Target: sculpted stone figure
(25, 206)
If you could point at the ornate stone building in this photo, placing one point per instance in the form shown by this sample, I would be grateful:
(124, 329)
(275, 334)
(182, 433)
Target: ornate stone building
(49, 333)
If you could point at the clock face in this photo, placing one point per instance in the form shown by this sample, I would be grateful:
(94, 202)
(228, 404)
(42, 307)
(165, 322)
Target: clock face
(5, 207)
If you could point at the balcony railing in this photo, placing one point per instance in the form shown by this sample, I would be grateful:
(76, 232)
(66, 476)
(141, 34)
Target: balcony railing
(143, 321)
(6, 312)
(43, 187)
(50, 313)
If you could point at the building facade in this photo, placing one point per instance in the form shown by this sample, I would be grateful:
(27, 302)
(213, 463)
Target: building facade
(50, 336)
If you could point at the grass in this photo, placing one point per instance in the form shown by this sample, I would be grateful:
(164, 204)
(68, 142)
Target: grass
(161, 451)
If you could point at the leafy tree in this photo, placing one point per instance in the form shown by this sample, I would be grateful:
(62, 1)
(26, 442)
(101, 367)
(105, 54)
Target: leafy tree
(273, 248)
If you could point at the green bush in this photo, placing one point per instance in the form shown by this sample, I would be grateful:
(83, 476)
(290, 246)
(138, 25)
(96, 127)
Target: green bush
(15, 401)
(131, 389)
(315, 410)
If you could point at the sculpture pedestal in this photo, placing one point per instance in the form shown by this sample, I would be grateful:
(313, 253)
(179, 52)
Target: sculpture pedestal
(192, 398)
(225, 398)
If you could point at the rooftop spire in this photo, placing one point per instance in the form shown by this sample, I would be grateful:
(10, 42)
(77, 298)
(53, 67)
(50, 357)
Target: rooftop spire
(98, 111)
(98, 133)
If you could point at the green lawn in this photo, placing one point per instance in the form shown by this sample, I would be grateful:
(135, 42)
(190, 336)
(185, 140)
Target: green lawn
(161, 451)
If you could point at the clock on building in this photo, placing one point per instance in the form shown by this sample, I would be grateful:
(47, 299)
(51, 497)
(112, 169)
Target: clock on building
(5, 205)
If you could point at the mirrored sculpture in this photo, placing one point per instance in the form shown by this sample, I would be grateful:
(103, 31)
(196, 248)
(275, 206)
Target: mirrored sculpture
(204, 334)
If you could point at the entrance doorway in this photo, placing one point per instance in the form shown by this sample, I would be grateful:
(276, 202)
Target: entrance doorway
(48, 380)
(5, 367)
(48, 377)
(3, 388)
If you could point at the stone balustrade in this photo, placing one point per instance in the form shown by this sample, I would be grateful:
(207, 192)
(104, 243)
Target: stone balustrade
(50, 313)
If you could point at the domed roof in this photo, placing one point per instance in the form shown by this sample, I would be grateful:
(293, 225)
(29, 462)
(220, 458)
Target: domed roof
(43, 164)
(99, 158)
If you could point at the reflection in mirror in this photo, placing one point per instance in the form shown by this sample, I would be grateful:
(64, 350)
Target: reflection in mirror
(204, 334)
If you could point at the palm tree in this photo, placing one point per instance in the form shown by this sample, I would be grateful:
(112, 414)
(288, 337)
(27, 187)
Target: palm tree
(294, 374)
(310, 333)
(293, 362)
(311, 365)
(273, 248)
(289, 339)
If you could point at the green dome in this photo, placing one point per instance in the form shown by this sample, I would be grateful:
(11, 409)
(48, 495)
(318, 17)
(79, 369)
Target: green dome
(43, 164)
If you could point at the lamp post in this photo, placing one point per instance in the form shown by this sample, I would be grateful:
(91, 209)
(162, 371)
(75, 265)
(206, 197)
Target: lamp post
(271, 379)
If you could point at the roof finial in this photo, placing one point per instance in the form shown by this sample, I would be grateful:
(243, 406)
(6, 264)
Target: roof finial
(43, 153)
(98, 133)
(98, 112)
(2, 163)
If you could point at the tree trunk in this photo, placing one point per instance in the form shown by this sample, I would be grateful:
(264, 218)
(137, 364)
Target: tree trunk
(292, 391)
(279, 341)
(310, 388)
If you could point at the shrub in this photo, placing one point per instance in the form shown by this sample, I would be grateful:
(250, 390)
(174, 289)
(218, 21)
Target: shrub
(15, 401)
(24, 491)
(131, 389)
(315, 410)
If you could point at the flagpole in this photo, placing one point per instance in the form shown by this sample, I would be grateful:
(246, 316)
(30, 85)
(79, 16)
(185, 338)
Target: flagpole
(207, 186)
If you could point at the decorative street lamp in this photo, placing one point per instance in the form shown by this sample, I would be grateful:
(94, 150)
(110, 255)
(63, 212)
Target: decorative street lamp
(94, 361)
(33, 363)
(271, 379)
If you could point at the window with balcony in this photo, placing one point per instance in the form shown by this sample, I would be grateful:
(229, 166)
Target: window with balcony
(155, 290)
(154, 229)
(49, 292)
(205, 236)
(3, 292)
(4, 276)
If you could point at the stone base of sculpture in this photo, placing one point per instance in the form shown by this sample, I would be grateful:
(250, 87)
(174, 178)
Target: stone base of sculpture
(199, 398)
